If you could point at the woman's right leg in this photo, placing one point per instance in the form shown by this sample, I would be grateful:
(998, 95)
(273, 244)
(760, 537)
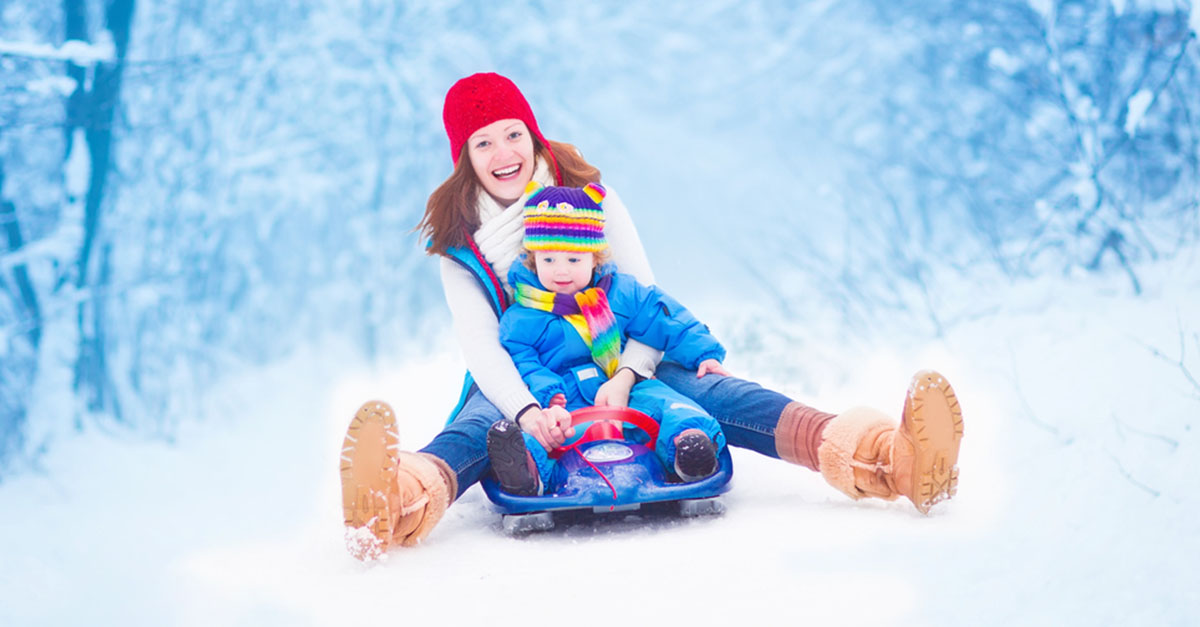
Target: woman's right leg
(392, 496)
(462, 444)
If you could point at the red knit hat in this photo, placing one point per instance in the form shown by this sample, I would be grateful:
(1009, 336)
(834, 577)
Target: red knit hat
(480, 99)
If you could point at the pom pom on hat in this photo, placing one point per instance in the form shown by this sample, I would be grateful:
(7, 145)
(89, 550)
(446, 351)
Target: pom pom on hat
(567, 219)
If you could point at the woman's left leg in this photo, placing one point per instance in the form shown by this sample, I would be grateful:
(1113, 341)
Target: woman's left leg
(752, 416)
(862, 451)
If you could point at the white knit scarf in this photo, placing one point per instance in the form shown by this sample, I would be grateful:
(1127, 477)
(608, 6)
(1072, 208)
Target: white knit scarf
(502, 229)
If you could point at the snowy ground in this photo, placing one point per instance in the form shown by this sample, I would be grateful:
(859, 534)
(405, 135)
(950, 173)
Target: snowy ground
(1076, 505)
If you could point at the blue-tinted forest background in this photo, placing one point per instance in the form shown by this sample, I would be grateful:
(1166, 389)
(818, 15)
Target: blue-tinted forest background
(191, 189)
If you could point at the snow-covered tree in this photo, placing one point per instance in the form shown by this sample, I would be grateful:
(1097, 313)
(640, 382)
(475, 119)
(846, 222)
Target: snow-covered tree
(188, 188)
(54, 163)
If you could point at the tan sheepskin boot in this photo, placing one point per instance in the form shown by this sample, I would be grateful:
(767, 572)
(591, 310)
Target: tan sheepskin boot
(389, 496)
(864, 453)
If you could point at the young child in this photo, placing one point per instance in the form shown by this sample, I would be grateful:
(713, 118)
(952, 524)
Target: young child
(571, 317)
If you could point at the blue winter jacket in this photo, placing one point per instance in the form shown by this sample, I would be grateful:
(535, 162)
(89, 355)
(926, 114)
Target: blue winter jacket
(552, 358)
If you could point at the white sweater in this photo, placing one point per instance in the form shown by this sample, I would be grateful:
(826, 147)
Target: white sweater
(499, 238)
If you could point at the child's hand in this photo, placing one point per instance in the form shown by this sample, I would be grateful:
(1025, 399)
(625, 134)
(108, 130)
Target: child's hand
(615, 391)
(711, 366)
(558, 400)
(550, 427)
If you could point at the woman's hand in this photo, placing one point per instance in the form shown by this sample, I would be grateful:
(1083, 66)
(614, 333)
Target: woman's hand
(615, 391)
(711, 366)
(550, 427)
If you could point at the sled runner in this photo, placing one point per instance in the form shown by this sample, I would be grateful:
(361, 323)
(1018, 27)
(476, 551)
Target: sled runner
(602, 471)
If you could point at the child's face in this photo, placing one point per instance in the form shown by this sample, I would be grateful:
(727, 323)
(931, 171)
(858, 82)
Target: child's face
(562, 272)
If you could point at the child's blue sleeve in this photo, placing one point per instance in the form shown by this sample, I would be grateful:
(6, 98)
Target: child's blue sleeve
(659, 321)
(543, 382)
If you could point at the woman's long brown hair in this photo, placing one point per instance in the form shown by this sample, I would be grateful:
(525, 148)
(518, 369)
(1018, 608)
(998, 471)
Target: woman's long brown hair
(450, 214)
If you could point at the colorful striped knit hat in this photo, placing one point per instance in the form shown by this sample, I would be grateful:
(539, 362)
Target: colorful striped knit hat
(568, 219)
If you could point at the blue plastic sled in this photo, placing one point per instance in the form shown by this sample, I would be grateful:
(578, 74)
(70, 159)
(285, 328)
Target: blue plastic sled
(604, 472)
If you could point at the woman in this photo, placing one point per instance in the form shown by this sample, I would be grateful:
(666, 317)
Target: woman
(474, 222)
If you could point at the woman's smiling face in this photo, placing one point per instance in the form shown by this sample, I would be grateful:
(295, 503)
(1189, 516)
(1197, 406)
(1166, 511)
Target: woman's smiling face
(501, 155)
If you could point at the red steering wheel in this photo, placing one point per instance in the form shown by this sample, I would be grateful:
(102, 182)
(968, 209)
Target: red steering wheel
(603, 427)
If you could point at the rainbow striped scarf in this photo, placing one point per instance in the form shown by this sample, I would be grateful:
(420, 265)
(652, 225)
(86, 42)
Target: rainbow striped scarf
(588, 312)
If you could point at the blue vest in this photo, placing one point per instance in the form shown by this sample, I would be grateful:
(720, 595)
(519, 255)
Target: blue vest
(470, 258)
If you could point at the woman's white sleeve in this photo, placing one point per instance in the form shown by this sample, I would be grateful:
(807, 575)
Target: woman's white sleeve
(630, 257)
(478, 332)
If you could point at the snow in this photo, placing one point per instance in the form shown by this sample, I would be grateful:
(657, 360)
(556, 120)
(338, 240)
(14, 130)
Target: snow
(1076, 502)
(1085, 191)
(1045, 8)
(52, 86)
(60, 243)
(318, 132)
(1138, 103)
(78, 168)
(1003, 61)
(80, 53)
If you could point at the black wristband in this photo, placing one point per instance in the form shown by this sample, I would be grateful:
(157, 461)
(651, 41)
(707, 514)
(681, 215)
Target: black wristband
(518, 418)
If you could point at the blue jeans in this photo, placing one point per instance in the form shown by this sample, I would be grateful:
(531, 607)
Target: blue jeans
(462, 444)
(747, 411)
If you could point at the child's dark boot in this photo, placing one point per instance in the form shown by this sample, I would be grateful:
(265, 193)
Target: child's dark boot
(695, 455)
(511, 462)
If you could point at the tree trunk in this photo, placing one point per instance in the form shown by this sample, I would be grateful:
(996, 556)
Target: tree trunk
(98, 112)
(27, 301)
(29, 316)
